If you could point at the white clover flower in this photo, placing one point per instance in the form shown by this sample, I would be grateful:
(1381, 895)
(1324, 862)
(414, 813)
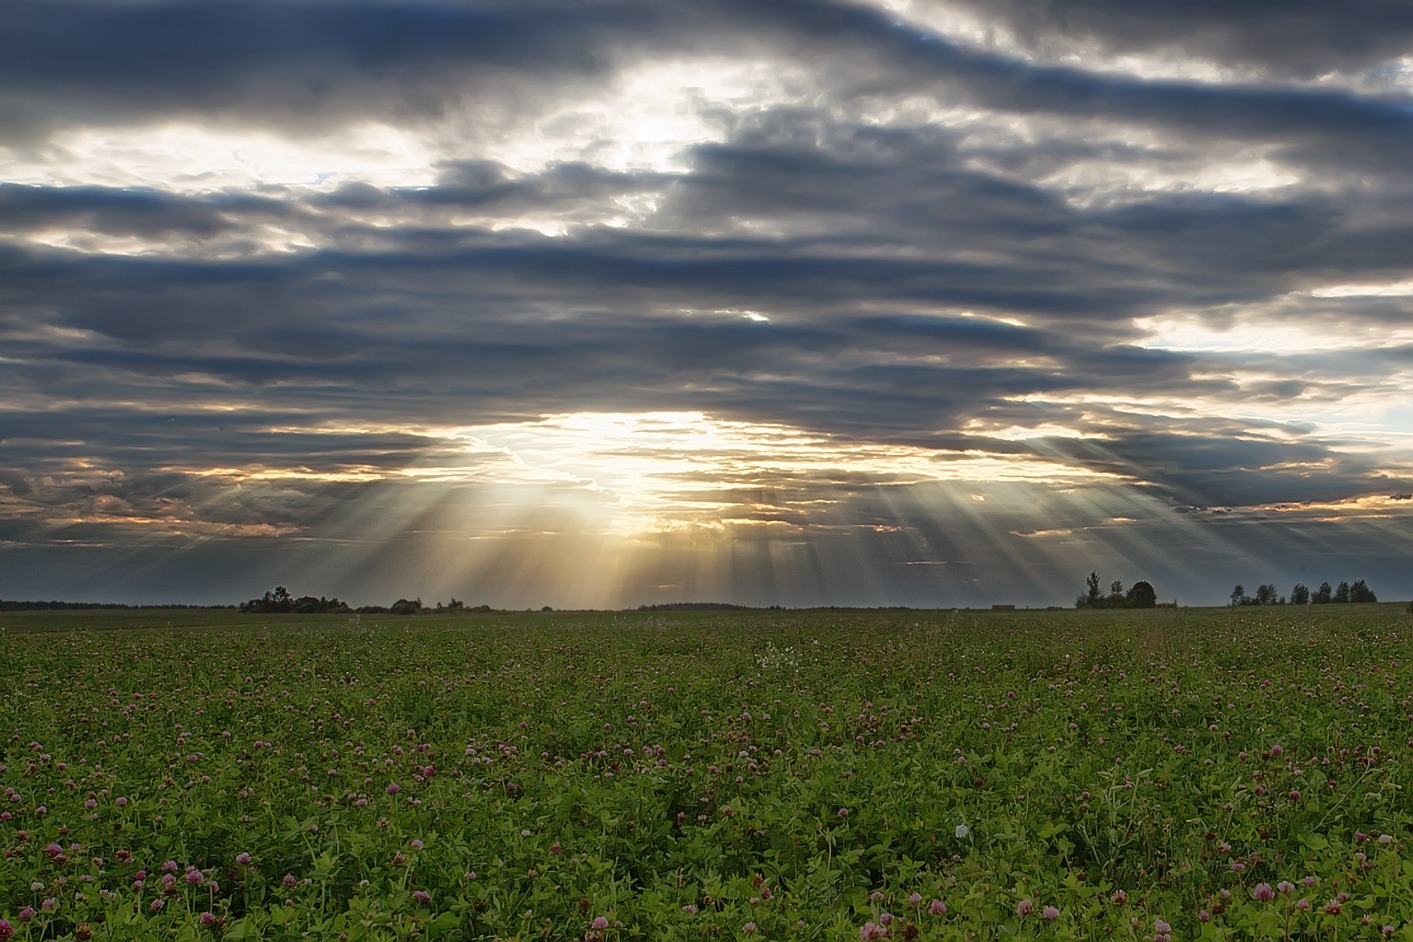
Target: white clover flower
(963, 831)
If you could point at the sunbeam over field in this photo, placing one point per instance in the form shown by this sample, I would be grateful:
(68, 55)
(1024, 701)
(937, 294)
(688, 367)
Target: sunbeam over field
(1171, 773)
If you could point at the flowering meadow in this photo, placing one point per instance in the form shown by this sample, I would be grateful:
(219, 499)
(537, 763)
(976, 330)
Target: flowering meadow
(1154, 775)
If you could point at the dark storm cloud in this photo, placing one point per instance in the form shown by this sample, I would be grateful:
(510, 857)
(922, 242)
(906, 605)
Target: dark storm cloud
(146, 213)
(307, 65)
(1237, 469)
(882, 56)
(298, 64)
(519, 319)
(1303, 38)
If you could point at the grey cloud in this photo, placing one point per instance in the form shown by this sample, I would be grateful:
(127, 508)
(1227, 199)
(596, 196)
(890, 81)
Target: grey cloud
(301, 64)
(1301, 38)
(307, 65)
(146, 213)
(1236, 469)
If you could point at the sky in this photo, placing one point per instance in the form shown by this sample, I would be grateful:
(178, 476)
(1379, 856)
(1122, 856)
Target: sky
(602, 303)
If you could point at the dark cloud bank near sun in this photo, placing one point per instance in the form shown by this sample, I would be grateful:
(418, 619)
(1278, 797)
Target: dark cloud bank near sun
(936, 303)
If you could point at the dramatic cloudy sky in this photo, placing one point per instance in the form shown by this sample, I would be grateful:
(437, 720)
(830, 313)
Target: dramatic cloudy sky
(605, 302)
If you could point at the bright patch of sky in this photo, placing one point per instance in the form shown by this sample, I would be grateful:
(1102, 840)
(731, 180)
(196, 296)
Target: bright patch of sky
(199, 158)
(651, 115)
(658, 470)
(1274, 335)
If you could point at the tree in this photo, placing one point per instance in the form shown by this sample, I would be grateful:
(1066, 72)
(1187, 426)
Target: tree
(1092, 589)
(1238, 595)
(1341, 595)
(1266, 595)
(407, 607)
(1359, 592)
(1142, 595)
(1300, 595)
(1323, 595)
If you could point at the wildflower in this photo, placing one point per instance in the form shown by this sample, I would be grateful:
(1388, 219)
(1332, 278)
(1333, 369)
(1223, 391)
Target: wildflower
(962, 831)
(416, 844)
(1303, 905)
(207, 919)
(1285, 886)
(600, 922)
(914, 899)
(242, 860)
(421, 896)
(1025, 907)
(27, 914)
(1333, 907)
(393, 788)
(937, 908)
(7, 931)
(1050, 912)
(690, 909)
(156, 905)
(1263, 892)
(748, 928)
(289, 881)
(194, 878)
(871, 930)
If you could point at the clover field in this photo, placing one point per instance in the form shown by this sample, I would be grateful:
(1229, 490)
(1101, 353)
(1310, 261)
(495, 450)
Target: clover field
(1171, 774)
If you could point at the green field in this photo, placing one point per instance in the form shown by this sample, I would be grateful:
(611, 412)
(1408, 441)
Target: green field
(1208, 774)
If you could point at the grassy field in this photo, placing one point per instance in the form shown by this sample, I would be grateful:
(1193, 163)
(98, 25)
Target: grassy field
(1200, 774)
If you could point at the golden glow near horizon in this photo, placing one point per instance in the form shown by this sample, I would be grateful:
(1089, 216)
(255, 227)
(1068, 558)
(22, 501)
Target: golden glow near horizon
(665, 471)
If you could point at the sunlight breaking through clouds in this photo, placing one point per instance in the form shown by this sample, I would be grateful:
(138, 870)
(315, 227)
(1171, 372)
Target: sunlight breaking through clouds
(663, 471)
(934, 300)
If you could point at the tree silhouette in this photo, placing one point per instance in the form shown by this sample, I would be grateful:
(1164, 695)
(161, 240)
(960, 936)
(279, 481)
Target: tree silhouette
(1359, 592)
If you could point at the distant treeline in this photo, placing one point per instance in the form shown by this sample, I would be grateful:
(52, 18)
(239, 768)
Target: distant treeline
(280, 600)
(1302, 595)
(9, 605)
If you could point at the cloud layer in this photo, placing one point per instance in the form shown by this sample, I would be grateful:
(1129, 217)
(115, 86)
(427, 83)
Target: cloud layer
(613, 302)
